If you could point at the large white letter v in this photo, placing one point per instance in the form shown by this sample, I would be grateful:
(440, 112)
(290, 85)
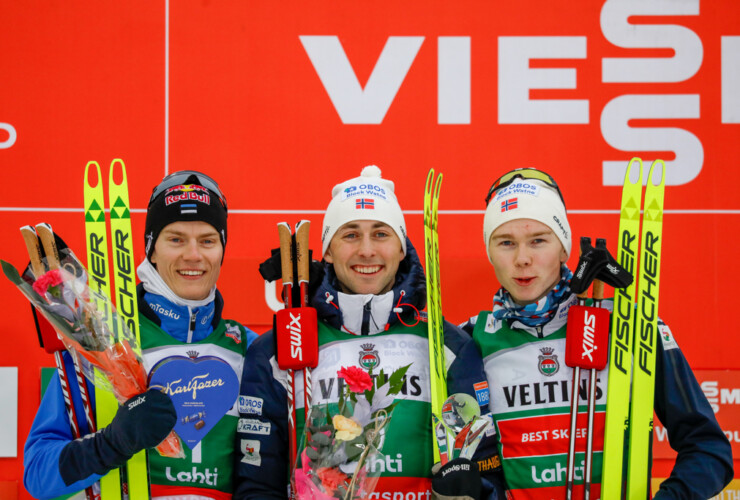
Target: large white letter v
(353, 103)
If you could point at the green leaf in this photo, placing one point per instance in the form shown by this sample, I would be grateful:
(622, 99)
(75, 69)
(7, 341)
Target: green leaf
(397, 379)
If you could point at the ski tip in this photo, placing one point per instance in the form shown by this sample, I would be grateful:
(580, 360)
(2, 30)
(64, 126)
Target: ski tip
(27, 227)
(430, 181)
(112, 173)
(633, 175)
(92, 166)
(657, 168)
(438, 185)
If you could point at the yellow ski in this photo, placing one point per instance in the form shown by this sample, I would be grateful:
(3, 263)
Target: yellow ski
(437, 366)
(646, 337)
(622, 334)
(125, 297)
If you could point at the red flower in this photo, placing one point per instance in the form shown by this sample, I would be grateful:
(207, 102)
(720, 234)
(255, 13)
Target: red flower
(47, 280)
(356, 378)
(331, 479)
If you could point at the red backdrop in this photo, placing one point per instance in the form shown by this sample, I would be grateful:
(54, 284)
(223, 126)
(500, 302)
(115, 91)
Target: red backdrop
(279, 104)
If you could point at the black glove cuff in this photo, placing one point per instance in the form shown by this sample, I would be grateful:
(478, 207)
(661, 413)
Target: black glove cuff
(457, 479)
(86, 456)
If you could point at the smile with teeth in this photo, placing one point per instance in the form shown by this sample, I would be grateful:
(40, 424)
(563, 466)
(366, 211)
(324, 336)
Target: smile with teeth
(190, 272)
(366, 269)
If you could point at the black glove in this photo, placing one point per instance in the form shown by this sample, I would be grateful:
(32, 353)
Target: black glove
(597, 263)
(271, 270)
(142, 422)
(613, 274)
(457, 479)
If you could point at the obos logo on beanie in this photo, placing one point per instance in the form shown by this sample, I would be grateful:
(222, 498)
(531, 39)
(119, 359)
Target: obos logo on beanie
(527, 199)
(368, 197)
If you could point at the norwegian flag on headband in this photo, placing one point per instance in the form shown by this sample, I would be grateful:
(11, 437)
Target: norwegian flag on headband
(509, 204)
(365, 204)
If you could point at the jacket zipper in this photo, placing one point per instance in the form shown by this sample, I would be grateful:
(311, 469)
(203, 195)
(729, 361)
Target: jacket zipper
(191, 327)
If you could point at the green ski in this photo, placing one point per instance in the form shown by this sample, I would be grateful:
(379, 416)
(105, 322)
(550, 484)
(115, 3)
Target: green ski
(437, 366)
(646, 337)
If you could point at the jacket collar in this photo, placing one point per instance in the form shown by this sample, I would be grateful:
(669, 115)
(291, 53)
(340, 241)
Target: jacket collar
(408, 297)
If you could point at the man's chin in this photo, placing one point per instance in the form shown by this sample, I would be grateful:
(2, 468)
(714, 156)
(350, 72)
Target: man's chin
(188, 293)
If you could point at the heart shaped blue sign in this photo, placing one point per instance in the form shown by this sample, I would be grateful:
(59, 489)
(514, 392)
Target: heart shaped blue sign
(202, 390)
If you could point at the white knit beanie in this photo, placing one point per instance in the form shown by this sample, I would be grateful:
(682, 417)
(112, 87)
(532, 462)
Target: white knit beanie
(527, 199)
(368, 197)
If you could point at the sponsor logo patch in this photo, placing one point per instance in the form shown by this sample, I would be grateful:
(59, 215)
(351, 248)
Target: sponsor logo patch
(234, 333)
(253, 426)
(249, 404)
(490, 324)
(251, 452)
(489, 464)
(518, 188)
(187, 196)
(666, 337)
(548, 362)
(365, 189)
(369, 357)
(481, 393)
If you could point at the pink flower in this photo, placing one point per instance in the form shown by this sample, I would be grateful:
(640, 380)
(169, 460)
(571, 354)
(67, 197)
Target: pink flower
(356, 378)
(331, 479)
(47, 280)
(305, 488)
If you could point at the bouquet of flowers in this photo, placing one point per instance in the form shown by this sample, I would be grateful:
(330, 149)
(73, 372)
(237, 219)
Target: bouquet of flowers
(343, 439)
(87, 324)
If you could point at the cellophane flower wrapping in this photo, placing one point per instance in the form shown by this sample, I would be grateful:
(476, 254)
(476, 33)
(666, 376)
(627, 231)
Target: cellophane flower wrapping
(90, 328)
(342, 440)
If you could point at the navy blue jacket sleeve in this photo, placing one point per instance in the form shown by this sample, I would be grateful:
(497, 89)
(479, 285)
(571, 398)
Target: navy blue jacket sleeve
(704, 463)
(50, 433)
(467, 374)
(262, 433)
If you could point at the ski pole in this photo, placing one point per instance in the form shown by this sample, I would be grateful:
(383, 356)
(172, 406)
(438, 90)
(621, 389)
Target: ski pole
(302, 264)
(586, 339)
(54, 345)
(46, 235)
(602, 343)
(296, 333)
(286, 263)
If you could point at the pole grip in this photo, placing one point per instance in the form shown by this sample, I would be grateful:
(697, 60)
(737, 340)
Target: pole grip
(286, 254)
(302, 260)
(301, 249)
(46, 235)
(34, 250)
(598, 290)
